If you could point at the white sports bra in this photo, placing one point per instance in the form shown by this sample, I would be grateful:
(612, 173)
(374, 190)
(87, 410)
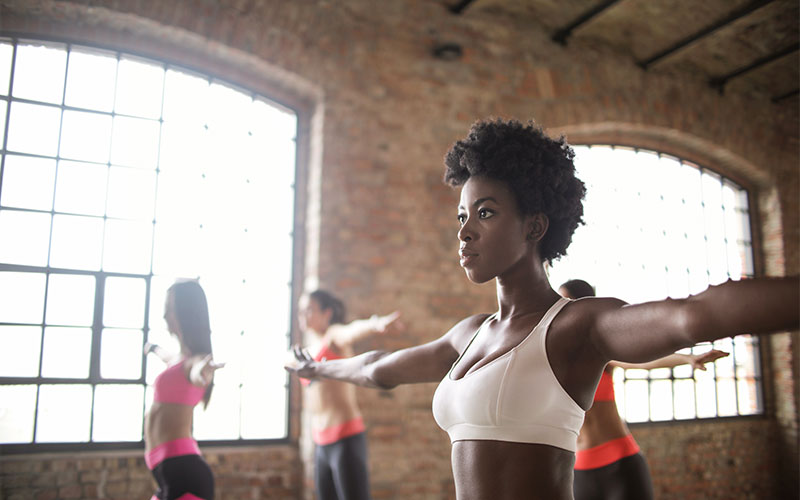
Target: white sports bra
(515, 397)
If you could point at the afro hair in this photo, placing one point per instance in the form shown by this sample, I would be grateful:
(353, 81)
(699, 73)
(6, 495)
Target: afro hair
(539, 171)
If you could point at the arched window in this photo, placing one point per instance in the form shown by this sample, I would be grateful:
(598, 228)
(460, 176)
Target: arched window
(119, 174)
(656, 227)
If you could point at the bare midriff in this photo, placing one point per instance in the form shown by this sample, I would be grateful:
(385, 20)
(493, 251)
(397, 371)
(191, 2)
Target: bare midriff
(331, 403)
(601, 424)
(500, 470)
(167, 422)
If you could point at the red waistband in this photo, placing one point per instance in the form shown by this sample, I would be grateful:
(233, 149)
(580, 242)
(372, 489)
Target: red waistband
(606, 453)
(174, 448)
(335, 433)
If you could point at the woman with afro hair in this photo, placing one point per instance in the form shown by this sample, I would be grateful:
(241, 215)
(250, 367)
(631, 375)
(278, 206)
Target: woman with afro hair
(514, 384)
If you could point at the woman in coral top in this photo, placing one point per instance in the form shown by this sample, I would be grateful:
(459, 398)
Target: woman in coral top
(608, 462)
(171, 453)
(340, 457)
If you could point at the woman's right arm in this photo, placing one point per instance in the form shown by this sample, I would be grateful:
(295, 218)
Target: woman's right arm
(385, 370)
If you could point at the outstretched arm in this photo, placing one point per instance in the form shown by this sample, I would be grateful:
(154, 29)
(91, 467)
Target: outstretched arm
(643, 332)
(380, 369)
(361, 328)
(159, 351)
(698, 361)
(201, 370)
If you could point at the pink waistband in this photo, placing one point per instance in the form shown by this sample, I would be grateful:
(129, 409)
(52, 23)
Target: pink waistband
(335, 433)
(606, 453)
(174, 448)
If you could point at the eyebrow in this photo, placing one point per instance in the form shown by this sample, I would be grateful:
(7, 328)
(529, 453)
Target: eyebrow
(479, 201)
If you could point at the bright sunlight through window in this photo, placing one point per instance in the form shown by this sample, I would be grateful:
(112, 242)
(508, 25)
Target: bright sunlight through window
(118, 175)
(658, 227)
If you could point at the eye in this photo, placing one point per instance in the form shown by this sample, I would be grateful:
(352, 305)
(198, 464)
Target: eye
(485, 213)
(461, 219)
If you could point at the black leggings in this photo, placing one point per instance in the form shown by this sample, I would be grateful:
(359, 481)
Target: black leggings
(184, 474)
(625, 479)
(340, 470)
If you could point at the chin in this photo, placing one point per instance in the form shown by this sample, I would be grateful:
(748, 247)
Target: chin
(477, 278)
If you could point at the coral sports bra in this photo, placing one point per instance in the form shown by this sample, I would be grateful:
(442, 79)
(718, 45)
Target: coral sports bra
(172, 386)
(515, 397)
(605, 388)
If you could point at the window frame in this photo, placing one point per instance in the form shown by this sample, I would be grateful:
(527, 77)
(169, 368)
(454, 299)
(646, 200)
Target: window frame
(761, 376)
(249, 84)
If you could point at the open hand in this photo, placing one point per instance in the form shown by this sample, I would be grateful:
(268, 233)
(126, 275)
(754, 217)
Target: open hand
(204, 370)
(699, 360)
(303, 364)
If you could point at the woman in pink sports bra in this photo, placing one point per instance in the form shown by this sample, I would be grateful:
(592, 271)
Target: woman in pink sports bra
(337, 427)
(170, 451)
(514, 385)
(608, 463)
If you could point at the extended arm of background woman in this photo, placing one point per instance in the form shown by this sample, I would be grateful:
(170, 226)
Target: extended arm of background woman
(428, 362)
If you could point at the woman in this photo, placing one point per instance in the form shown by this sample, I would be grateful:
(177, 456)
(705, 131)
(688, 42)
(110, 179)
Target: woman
(608, 463)
(515, 383)
(170, 451)
(340, 457)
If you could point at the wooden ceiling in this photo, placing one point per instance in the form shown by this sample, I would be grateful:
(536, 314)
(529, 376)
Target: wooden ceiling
(735, 45)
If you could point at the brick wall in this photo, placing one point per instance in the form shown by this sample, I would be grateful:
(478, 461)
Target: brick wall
(380, 112)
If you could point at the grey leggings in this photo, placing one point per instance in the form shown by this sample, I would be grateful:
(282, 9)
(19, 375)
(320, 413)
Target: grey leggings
(340, 471)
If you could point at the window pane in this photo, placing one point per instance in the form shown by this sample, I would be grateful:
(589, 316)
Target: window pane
(749, 396)
(77, 242)
(661, 400)
(121, 354)
(19, 351)
(64, 413)
(39, 72)
(636, 391)
(174, 250)
(21, 297)
(90, 80)
(706, 394)
(131, 193)
(33, 129)
(124, 302)
(684, 399)
(81, 188)
(118, 413)
(85, 136)
(70, 300)
(25, 237)
(221, 419)
(6, 54)
(128, 246)
(139, 88)
(185, 98)
(28, 182)
(263, 410)
(66, 352)
(135, 142)
(3, 107)
(17, 404)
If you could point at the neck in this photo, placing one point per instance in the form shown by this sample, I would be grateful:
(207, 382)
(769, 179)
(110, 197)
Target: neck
(524, 292)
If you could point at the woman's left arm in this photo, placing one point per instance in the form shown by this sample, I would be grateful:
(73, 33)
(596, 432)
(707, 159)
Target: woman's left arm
(643, 332)
(347, 334)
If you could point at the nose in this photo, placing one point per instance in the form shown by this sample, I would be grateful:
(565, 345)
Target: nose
(465, 231)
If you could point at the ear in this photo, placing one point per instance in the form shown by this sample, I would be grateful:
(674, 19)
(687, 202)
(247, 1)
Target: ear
(537, 227)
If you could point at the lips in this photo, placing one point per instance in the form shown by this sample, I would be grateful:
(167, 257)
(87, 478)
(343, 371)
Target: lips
(466, 256)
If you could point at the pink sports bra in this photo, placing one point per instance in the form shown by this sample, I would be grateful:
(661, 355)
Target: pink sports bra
(172, 386)
(515, 397)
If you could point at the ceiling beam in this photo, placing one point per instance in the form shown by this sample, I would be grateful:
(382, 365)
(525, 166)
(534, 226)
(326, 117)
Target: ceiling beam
(460, 6)
(738, 14)
(562, 34)
(787, 95)
(720, 81)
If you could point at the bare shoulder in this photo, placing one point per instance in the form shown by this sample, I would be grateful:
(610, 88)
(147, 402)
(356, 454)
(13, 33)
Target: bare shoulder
(587, 309)
(463, 331)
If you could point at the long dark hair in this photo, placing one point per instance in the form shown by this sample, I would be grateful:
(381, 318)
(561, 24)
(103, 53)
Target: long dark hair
(191, 311)
(326, 301)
